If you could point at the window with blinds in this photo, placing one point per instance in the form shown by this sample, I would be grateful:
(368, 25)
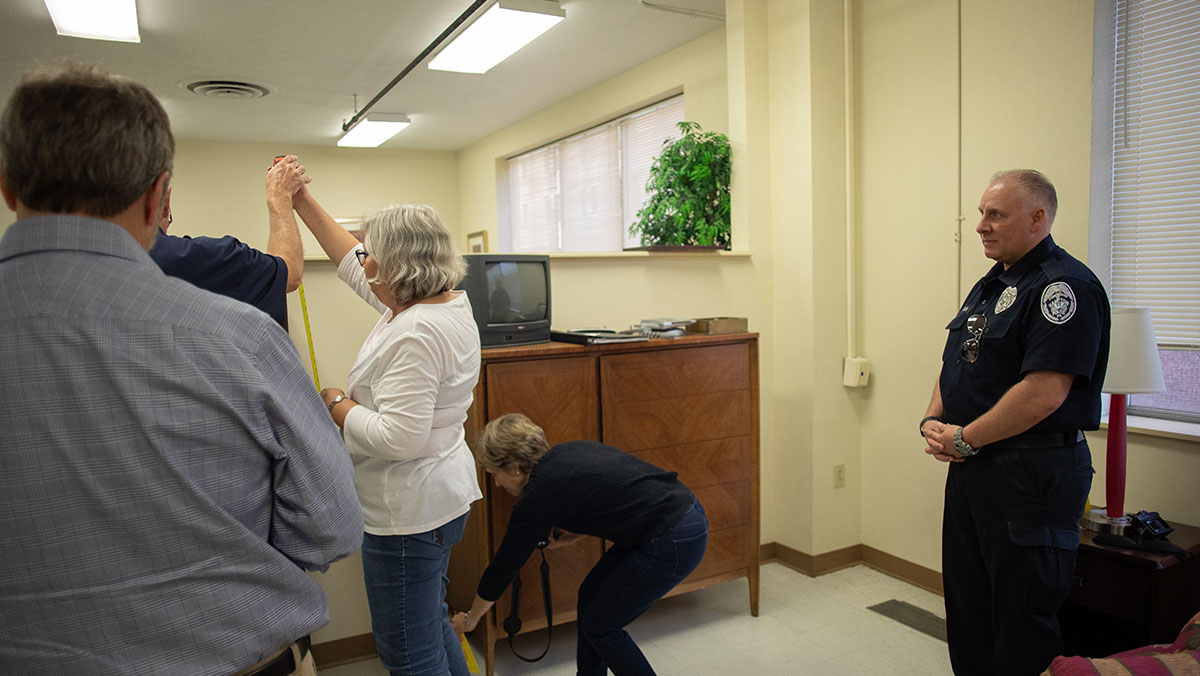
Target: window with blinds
(581, 193)
(1155, 239)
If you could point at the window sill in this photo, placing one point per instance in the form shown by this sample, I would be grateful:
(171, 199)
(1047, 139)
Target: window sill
(1157, 427)
(627, 255)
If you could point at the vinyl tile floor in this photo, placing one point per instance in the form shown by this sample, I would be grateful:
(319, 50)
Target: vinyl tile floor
(806, 625)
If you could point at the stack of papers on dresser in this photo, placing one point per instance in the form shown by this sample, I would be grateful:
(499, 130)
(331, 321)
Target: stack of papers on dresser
(664, 327)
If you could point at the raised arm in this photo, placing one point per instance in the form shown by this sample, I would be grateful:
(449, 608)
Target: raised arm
(333, 238)
(283, 180)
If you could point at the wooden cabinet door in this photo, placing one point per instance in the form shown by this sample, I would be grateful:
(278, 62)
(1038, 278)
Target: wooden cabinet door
(560, 395)
(690, 410)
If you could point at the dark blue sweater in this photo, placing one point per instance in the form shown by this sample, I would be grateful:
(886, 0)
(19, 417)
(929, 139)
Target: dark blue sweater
(590, 488)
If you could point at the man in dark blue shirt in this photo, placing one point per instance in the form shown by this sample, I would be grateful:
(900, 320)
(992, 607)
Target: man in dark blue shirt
(1021, 376)
(226, 266)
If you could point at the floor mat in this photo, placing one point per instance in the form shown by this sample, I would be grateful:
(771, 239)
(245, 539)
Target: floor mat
(911, 616)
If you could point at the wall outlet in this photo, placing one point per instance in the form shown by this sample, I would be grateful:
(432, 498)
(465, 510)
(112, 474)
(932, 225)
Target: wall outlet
(839, 476)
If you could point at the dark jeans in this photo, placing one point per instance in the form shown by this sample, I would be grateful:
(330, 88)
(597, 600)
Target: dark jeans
(623, 584)
(405, 577)
(1009, 534)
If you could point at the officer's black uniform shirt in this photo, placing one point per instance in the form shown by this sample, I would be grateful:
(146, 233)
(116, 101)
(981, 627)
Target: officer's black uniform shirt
(1058, 321)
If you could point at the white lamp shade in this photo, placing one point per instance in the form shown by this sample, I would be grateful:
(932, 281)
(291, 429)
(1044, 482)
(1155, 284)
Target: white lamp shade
(1133, 363)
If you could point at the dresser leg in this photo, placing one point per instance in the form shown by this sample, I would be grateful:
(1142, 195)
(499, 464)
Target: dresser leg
(752, 576)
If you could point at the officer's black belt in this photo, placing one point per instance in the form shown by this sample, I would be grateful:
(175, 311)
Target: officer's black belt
(1039, 440)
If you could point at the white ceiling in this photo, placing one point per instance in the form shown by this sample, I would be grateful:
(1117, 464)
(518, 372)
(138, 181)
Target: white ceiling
(315, 55)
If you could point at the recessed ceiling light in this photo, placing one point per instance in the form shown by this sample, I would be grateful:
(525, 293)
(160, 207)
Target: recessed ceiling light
(373, 130)
(497, 34)
(114, 20)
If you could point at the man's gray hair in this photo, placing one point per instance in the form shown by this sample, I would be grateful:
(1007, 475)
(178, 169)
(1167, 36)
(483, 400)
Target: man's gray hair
(414, 252)
(1035, 186)
(77, 139)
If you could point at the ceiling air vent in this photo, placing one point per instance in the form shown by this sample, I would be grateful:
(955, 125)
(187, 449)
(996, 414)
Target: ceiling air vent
(228, 89)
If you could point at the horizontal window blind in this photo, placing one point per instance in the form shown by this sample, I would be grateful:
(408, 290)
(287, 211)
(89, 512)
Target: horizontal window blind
(1155, 254)
(643, 137)
(533, 198)
(581, 193)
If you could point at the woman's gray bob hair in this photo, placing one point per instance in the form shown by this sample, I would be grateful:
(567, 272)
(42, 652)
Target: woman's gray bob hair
(415, 256)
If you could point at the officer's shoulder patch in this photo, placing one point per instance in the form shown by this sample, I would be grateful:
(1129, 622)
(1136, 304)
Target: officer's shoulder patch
(1058, 303)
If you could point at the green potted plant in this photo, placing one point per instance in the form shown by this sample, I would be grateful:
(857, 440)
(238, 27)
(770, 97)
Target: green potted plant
(689, 193)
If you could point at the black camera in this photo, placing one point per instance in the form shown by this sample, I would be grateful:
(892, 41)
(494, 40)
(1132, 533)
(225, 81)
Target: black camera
(1149, 525)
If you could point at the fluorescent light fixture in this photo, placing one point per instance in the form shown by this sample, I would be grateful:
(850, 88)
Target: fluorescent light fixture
(504, 28)
(373, 130)
(114, 20)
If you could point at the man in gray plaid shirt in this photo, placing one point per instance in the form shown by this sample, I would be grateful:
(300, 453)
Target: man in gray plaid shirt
(167, 469)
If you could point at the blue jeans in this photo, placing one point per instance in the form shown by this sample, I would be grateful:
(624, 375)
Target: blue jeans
(623, 584)
(405, 577)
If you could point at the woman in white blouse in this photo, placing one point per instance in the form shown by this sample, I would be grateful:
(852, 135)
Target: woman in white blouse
(402, 416)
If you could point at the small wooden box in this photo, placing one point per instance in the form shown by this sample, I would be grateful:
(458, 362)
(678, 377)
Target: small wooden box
(718, 325)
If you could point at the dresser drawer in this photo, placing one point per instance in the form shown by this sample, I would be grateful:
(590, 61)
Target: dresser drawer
(727, 505)
(671, 374)
(705, 463)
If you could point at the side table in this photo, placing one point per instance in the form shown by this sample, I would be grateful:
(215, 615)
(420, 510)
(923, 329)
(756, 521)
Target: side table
(1126, 598)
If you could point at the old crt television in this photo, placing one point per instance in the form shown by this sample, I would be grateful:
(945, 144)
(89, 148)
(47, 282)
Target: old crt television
(510, 295)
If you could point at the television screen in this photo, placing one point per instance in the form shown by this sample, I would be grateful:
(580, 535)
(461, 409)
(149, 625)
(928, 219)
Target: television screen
(516, 292)
(510, 297)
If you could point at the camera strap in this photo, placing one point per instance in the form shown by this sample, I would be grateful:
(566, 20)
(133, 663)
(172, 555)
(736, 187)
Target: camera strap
(512, 623)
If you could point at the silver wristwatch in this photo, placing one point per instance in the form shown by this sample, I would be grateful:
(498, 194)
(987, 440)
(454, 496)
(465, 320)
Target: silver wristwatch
(336, 400)
(961, 447)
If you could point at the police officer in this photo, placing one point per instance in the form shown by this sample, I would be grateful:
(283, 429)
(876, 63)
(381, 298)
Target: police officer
(1021, 377)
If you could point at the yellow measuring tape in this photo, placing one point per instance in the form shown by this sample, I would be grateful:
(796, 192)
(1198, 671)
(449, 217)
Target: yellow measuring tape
(308, 332)
(472, 665)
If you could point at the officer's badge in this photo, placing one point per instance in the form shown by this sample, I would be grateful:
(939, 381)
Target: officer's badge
(1058, 303)
(1006, 299)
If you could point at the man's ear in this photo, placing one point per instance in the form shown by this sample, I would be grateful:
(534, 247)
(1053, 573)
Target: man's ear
(1037, 220)
(9, 198)
(157, 200)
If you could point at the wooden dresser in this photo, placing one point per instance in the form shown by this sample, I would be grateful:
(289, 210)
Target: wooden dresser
(689, 404)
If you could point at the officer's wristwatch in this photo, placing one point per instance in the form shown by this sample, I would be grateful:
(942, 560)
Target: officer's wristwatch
(961, 447)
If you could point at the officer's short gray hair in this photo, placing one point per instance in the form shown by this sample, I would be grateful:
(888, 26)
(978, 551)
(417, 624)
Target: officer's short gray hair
(1036, 186)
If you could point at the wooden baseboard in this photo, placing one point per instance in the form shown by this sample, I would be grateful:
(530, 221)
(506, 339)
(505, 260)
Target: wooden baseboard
(925, 578)
(807, 563)
(344, 650)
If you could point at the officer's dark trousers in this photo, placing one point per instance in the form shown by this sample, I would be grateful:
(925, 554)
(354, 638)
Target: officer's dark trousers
(1009, 534)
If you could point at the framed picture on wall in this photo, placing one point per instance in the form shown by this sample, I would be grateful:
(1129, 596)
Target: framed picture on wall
(477, 242)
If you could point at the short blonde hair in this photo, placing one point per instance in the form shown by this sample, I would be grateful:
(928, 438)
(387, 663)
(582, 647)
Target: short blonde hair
(512, 440)
(415, 256)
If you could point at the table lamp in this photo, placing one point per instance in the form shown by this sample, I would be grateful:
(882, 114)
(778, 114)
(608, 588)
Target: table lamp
(1133, 368)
